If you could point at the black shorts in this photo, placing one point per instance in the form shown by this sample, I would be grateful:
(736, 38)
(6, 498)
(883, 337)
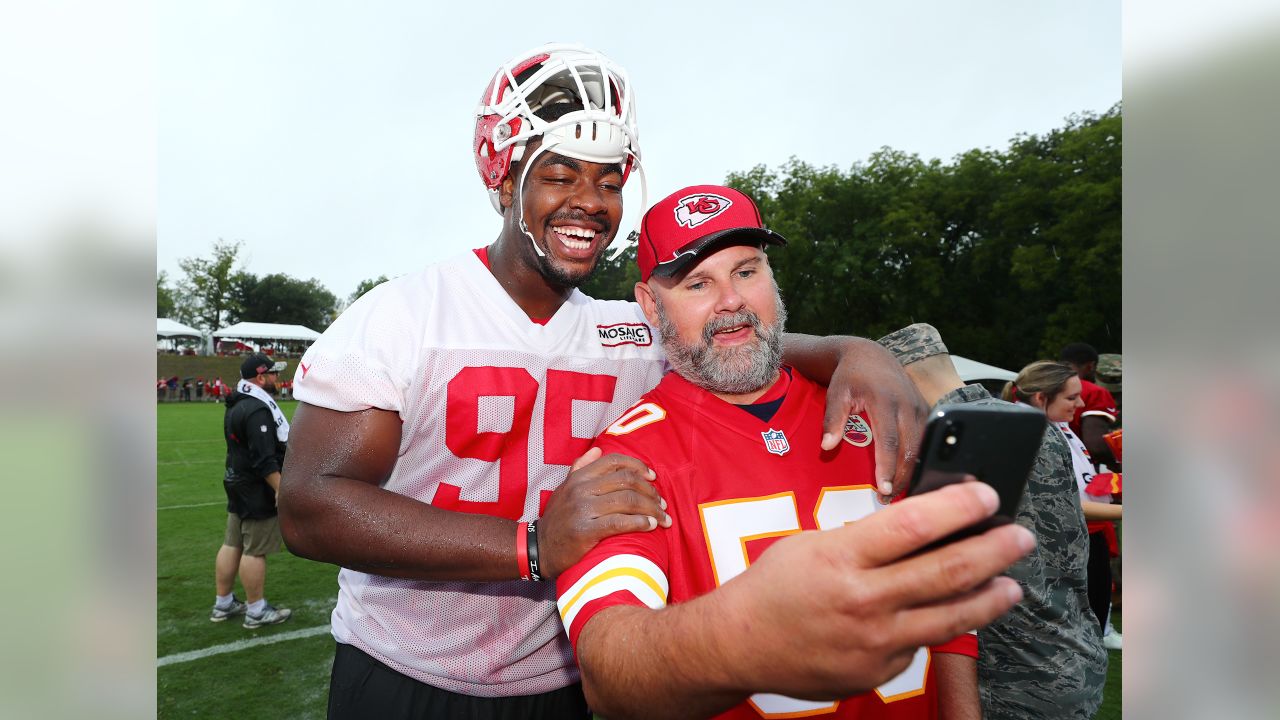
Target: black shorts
(1099, 576)
(361, 687)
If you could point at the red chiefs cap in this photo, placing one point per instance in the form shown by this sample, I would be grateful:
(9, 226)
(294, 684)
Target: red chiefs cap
(684, 224)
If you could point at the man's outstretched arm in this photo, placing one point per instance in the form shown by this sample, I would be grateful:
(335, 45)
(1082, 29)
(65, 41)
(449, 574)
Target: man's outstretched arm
(821, 615)
(863, 377)
(333, 508)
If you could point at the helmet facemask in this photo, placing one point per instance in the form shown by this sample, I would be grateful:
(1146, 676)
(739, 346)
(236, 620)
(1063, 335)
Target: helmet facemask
(602, 130)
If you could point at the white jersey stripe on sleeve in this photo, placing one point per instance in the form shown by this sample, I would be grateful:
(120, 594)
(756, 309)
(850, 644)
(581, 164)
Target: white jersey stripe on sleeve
(632, 573)
(641, 590)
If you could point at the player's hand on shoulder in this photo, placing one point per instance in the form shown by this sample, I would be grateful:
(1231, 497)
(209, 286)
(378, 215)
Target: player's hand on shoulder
(869, 380)
(604, 495)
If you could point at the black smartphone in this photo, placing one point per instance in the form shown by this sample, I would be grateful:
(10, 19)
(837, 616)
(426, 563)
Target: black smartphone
(997, 444)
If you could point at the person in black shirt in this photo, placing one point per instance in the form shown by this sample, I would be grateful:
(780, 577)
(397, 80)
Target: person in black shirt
(256, 432)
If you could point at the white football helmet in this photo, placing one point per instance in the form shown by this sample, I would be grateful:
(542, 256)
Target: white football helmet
(603, 131)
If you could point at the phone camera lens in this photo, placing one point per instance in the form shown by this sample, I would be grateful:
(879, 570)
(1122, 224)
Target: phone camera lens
(950, 439)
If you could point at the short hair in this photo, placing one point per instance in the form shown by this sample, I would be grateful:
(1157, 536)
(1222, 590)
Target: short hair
(1078, 353)
(1042, 376)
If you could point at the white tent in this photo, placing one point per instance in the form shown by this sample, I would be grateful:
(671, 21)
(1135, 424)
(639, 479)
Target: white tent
(970, 370)
(267, 331)
(166, 328)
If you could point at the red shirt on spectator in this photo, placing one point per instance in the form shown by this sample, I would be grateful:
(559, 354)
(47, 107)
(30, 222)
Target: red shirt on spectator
(1097, 401)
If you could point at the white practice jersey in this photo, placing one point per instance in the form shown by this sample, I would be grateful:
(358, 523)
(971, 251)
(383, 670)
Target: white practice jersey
(1082, 464)
(494, 409)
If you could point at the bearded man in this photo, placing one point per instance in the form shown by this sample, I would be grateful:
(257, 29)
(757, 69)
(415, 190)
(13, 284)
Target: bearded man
(256, 432)
(733, 610)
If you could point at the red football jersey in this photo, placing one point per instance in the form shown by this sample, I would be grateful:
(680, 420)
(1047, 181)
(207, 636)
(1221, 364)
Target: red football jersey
(734, 484)
(1097, 401)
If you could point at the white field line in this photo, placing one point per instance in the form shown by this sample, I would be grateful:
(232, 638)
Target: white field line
(184, 442)
(241, 645)
(175, 507)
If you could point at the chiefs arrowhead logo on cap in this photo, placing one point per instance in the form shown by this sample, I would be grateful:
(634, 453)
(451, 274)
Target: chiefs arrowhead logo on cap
(693, 210)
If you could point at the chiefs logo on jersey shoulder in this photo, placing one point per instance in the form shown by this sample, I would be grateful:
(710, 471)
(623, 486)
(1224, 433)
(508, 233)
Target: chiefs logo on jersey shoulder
(857, 432)
(693, 210)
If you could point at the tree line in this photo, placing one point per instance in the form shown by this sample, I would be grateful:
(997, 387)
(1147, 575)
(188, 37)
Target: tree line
(213, 293)
(1010, 253)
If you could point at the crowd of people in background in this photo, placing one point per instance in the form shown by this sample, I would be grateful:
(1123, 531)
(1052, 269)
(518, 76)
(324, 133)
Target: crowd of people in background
(233, 349)
(191, 389)
(198, 389)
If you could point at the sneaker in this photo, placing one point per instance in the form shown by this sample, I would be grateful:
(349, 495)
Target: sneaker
(269, 616)
(235, 608)
(1113, 641)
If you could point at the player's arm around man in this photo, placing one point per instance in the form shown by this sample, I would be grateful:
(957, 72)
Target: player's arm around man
(335, 510)
(864, 378)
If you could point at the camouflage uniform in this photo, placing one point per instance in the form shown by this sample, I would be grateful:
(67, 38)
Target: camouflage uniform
(1109, 371)
(1044, 658)
(914, 342)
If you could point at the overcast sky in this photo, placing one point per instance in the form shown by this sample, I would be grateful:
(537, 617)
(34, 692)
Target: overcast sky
(333, 138)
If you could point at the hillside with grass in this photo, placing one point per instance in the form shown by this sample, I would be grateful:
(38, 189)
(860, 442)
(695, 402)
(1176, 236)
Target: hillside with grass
(209, 367)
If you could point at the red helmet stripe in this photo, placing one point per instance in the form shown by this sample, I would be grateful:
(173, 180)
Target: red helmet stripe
(535, 60)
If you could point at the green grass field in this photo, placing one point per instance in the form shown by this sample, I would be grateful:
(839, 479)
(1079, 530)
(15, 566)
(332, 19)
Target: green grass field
(200, 677)
(1112, 708)
(286, 679)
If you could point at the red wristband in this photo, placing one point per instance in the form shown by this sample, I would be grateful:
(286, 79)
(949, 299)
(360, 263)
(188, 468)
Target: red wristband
(522, 549)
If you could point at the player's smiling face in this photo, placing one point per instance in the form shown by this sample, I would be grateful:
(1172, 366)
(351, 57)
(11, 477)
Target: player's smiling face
(572, 208)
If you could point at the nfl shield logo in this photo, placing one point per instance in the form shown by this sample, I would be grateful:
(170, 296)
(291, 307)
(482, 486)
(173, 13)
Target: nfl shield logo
(775, 442)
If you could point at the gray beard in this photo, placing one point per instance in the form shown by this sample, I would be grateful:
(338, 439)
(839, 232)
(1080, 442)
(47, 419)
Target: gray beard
(729, 371)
